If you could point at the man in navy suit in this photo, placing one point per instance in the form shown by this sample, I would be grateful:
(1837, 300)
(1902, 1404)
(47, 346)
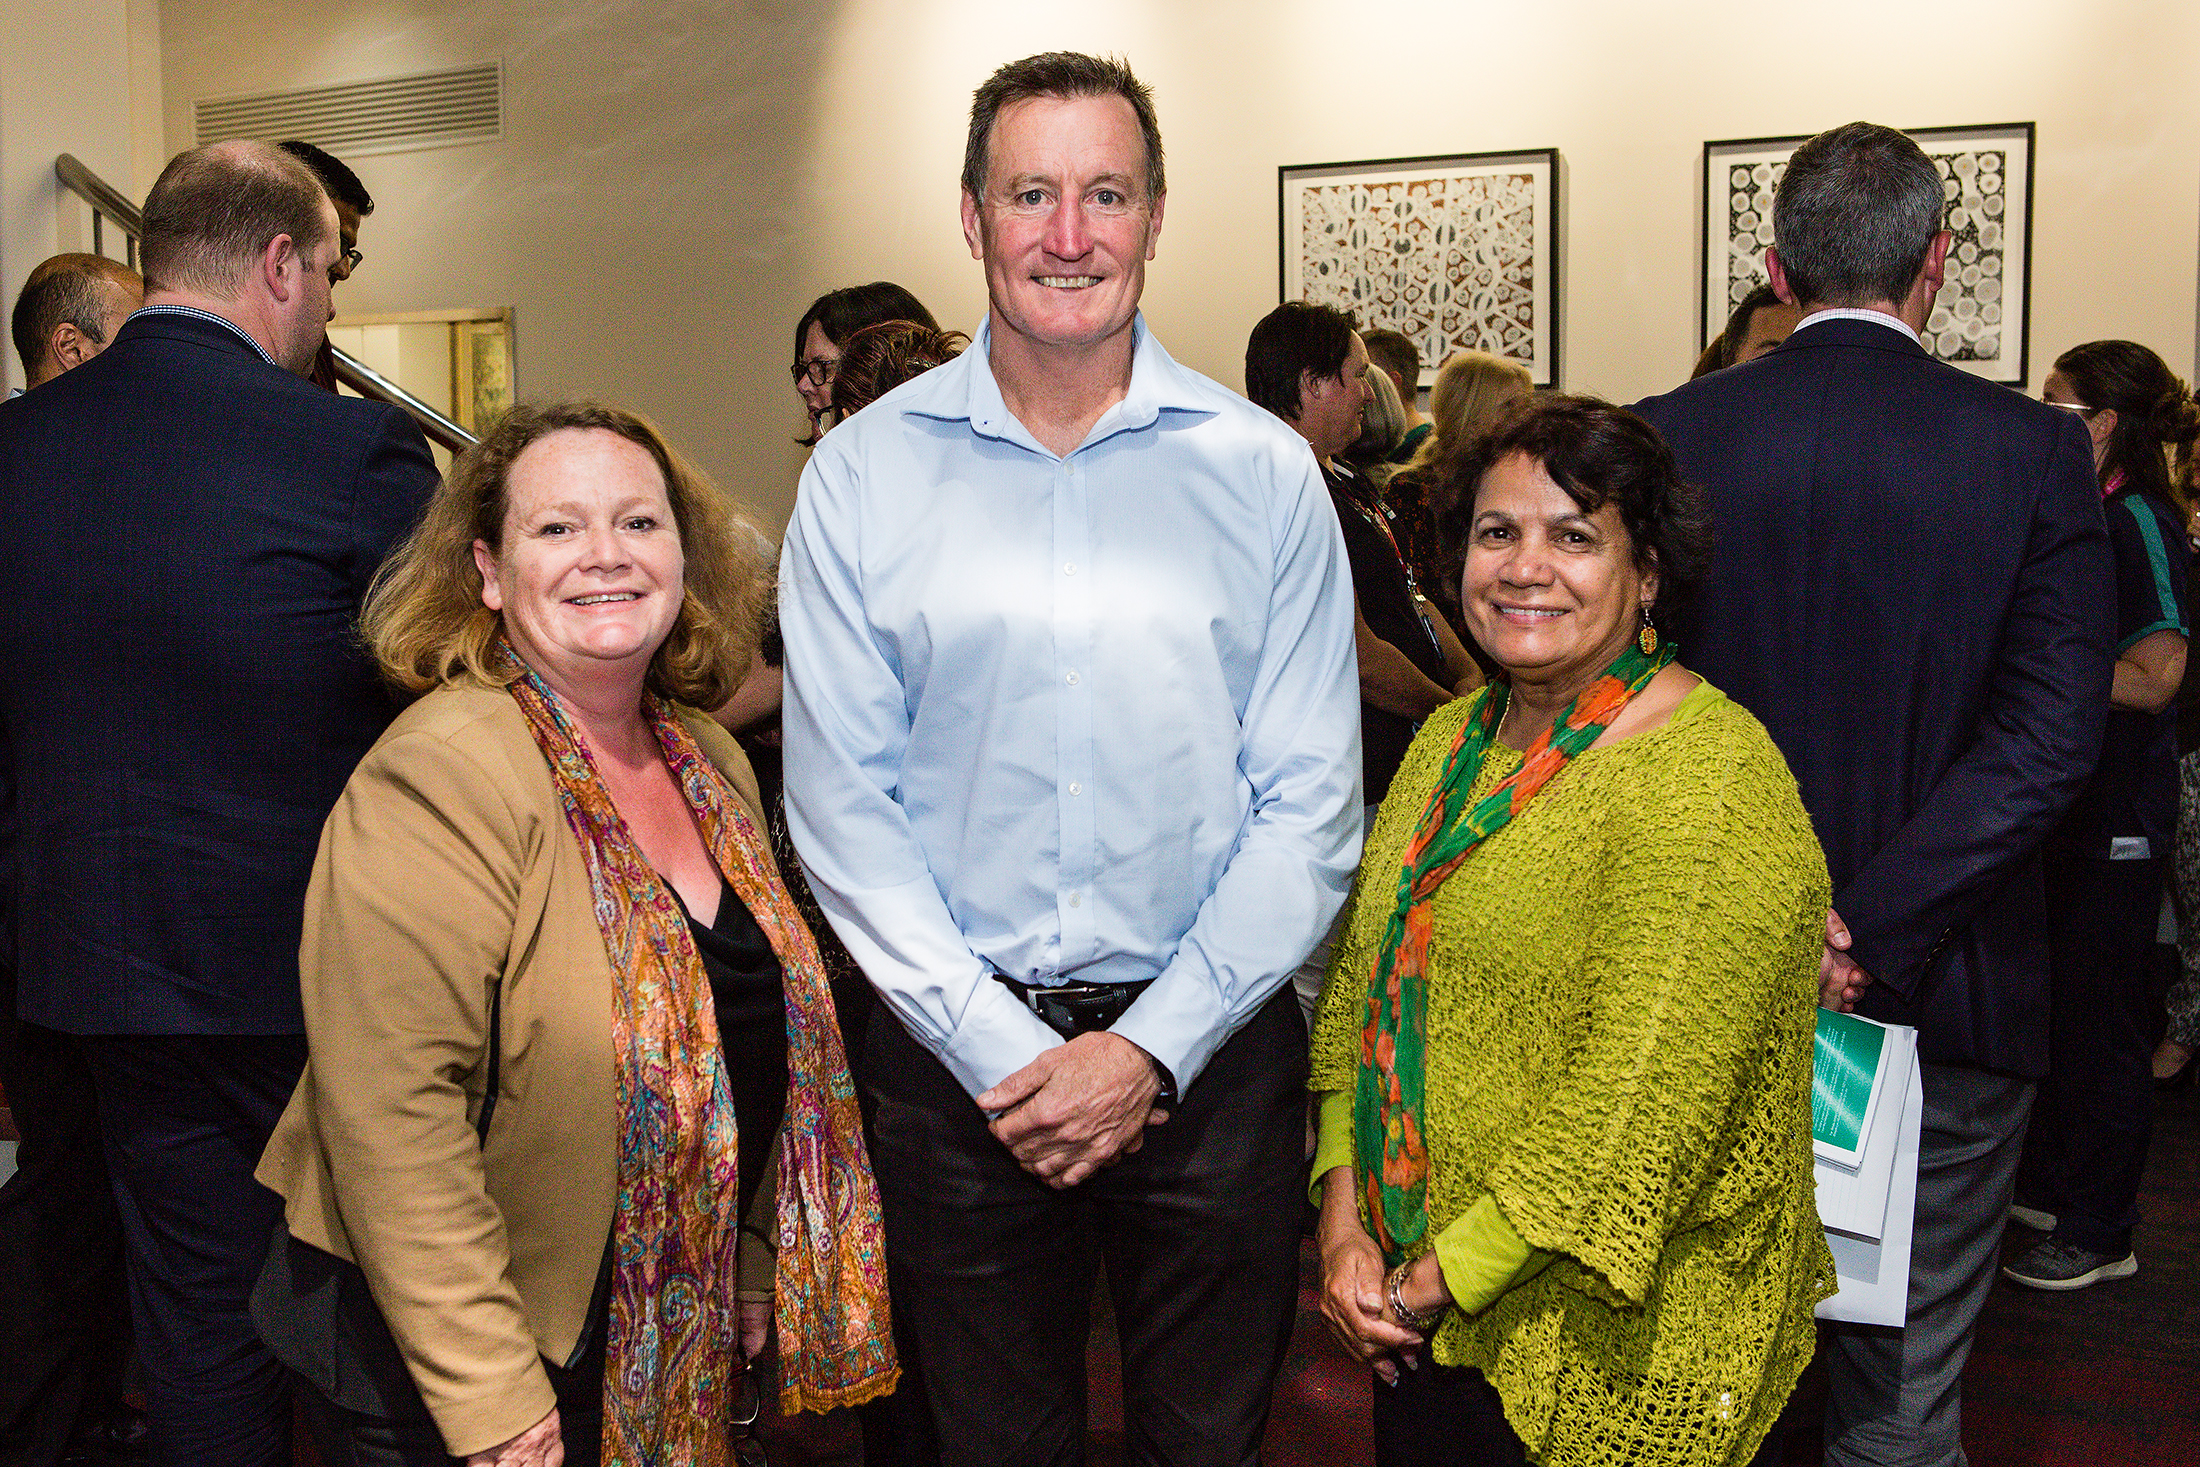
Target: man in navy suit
(181, 700)
(1913, 591)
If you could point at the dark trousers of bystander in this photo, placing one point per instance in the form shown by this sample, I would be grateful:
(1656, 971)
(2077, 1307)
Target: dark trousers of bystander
(185, 1118)
(63, 1330)
(2087, 1146)
(993, 1271)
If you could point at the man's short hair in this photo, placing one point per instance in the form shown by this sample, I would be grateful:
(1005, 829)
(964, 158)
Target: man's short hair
(1060, 75)
(337, 179)
(1855, 214)
(1726, 348)
(1294, 338)
(214, 209)
(1395, 353)
(65, 288)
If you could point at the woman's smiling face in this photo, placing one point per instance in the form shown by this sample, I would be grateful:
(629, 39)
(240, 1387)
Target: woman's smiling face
(590, 575)
(1549, 591)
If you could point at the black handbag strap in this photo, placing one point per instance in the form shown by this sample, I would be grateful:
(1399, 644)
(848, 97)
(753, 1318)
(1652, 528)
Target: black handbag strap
(496, 1046)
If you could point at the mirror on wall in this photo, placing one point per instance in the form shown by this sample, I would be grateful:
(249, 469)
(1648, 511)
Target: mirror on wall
(458, 360)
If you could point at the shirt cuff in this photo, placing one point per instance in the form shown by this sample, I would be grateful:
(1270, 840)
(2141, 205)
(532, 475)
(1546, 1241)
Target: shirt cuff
(1180, 1021)
(1481, 1256)
(997, 1037)
(1332, 1139)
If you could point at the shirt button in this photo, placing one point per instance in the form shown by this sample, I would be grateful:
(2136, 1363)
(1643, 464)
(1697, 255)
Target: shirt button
(1076, 788)
(1076, 899)
(1071, 679)
(1070, 569)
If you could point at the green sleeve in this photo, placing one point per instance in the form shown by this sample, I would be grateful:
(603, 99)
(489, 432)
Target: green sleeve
(1479, 1252)
(1332, 1138)
(1482, 1256)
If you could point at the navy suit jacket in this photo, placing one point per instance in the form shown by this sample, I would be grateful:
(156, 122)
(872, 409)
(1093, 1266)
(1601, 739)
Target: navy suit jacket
(1913, 591)
(182, 692)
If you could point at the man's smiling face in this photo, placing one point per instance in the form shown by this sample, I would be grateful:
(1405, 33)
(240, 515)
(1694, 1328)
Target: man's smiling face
(1065, 228)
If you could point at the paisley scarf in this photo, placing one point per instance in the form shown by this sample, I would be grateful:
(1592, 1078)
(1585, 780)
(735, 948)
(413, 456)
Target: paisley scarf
(1390, 1149)
(673, 1350)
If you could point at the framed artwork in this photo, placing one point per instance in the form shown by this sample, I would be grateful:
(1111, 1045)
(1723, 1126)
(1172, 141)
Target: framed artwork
(1456, 251)
(1980, 321)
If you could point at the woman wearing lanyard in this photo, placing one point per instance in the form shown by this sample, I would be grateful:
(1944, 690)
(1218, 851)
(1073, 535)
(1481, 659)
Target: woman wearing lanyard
(2086, 1145)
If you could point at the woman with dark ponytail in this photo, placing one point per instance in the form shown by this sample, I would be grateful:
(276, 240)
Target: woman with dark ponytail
(2106, 864)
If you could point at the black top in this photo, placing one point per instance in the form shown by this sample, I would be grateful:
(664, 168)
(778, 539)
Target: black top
(2133, 792)
(748, 991)
(1385, 595)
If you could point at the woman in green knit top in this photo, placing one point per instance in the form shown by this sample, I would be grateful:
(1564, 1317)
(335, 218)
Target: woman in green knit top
(1563, 1059)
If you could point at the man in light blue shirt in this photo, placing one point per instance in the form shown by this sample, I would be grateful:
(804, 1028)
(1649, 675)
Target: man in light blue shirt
(1072, 754)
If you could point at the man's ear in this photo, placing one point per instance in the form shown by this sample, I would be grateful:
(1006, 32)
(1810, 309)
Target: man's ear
(971, 233)
(1936, 259)
(1153, 226)
(277, 261)
(1779, 276)
(69, 347)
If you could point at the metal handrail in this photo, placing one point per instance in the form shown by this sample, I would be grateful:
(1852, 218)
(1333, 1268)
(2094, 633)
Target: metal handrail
(107, 202)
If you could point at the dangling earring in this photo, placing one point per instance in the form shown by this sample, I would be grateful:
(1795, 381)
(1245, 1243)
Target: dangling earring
(1647, 638)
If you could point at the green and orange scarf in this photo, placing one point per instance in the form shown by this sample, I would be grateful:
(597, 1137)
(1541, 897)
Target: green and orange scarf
(1390, 1149)
(673, 1351)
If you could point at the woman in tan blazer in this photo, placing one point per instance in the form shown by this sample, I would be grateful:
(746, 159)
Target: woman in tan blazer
(558, 1006)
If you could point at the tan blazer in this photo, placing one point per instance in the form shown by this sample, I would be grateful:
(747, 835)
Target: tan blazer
(446, 868)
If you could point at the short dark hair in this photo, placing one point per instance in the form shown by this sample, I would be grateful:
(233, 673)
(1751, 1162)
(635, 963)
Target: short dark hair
(879, 358)
(337, 179)
(65, 288)
(1726, 347)
(1855, 214)
(2154, 411)
(214, 209)
(1599, 454)
(1060, 75)
(1294, 338)
(1395, 353)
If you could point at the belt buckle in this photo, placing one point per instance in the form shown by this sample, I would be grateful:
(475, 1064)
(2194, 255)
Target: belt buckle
(1071, 1009)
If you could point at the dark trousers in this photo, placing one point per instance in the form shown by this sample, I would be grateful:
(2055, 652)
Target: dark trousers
(1441, 1416)
(2094, 1117)
(64, 1331)
(994, 1271)
(185, 1118)
(407, 1435)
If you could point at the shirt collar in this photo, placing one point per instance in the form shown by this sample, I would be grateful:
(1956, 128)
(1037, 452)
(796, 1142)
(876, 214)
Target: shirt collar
(1843, 313)
(1158, 385)
(196, 314)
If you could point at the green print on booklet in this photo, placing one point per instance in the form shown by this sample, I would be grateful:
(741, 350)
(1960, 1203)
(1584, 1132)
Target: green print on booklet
(1846, 1062)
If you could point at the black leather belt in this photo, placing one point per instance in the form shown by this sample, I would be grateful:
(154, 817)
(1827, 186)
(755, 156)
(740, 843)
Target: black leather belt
(1071, 1009)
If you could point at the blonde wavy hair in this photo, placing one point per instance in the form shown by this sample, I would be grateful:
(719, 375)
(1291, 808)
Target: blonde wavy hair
(424, 620)
(1472, 389)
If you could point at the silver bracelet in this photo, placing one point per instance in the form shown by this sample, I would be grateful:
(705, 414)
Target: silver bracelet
(1419, 1321)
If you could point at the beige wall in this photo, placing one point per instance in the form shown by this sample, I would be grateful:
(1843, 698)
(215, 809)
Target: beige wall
(81, 78)
(678, 179)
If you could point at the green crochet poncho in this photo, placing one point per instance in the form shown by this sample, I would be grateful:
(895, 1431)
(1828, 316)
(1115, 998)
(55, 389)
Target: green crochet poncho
(1620, 1020)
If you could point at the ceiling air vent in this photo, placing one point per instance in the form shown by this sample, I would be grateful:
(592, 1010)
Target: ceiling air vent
(397, 114)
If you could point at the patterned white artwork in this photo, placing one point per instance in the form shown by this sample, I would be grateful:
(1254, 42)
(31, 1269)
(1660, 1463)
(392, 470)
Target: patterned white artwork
(1453, 252)
(1977, 321)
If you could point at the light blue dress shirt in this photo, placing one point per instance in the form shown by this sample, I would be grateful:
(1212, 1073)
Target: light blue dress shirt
(1090, 719)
